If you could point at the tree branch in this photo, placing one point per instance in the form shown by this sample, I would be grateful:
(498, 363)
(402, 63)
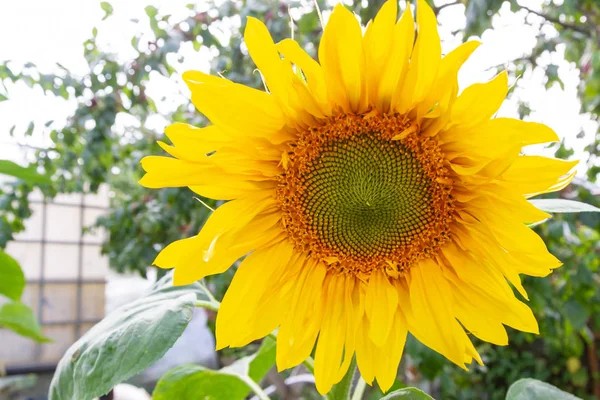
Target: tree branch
(437, 10)
(557, 21)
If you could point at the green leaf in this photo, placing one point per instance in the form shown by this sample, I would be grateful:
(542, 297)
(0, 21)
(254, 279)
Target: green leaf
(19, 318)
(16, 384)
(532, 389)
(13, 280)
(410, 393)
(108, 10)
(232, 382)
(27, 174)
(3, 97)
(563, 206)
(151, 11)
(127, 341)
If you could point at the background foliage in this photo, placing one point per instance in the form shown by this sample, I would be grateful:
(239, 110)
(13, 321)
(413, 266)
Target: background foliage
(90, 150)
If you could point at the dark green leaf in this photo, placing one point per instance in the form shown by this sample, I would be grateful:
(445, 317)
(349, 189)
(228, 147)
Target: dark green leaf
(13, 280)
(408, 394)
(127, 341)
(563, 206)
(19, 318)
(231, 382)
(532, 389)
(27, 174)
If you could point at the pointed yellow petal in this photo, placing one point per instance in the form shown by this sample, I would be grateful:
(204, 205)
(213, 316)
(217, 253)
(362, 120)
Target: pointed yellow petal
(194, 142)
(298, 331)
(210, 252)
(479, 102)
(392, 77)
(335, 347)
(536, 174)
(432, 306)
(380, 304)
(241, 319)
(424, 62)
(236, 109)
(265, 55)
(341, 56)
(446, 86)
(170, 172)
(378, 45)
(315, 78)
(387, 363)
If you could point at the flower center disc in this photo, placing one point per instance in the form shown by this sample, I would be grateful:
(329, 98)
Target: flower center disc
(358, 199)
(365, 196)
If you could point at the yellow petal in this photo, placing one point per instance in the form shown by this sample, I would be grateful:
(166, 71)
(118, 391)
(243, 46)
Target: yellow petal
(336, 344)
(265, 55)
(194, 142)
(478, 238)
(536, 174)
(209, 252)
(493, 195)
(381, 301)
(300, 326)
(236, 109)
(225, 191)
(386, 366)
(378, 45)
(433, 309)
(381, 362)
(424, 62)
(311, 69)
(392, 77)
(170, 172)
(446, 86)
(494, 138)
(366, 351)
(479, 102)
(342, 60)
(477, 306)
(239, 320)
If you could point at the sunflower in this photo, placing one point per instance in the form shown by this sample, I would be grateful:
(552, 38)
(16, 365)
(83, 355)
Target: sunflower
(369, 198)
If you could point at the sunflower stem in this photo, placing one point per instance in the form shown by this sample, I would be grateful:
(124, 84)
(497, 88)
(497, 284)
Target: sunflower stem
(359, 389)
(256, 389)
(309, 363)
(342, 390)
(209, 305)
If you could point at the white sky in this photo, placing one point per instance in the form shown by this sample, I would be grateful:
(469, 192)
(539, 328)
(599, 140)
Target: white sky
(46, 32)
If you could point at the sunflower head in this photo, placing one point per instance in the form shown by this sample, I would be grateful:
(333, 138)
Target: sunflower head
(369, 198)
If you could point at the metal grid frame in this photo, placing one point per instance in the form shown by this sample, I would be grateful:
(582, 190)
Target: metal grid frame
(43, 282)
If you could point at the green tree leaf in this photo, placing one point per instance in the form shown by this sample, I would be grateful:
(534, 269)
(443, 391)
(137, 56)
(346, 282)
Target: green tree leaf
(233, 382)
(532, 389)
(107, 8)
(563, 206)
(19, 318)
(410, 393)
(127, 341)
(27, 174)
(13, 280)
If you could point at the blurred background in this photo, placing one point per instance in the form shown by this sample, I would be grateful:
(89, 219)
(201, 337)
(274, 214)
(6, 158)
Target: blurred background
(87, 88)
